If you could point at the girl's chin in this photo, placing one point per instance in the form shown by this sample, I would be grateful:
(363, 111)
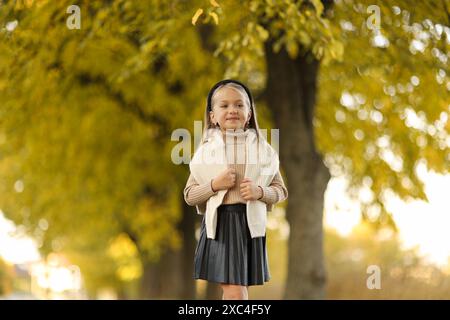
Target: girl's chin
(233, 127)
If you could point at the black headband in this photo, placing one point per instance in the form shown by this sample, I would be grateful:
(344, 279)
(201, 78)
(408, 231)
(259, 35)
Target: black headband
(223, 82)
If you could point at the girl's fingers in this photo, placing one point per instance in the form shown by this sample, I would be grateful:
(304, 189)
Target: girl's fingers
(244, 189)
(245, 184)
(248, 197)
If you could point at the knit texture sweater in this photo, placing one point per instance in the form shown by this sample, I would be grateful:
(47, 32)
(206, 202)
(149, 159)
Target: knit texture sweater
(198, 194)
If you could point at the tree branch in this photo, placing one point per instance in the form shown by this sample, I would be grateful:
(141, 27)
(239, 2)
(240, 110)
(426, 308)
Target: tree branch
(131, 107)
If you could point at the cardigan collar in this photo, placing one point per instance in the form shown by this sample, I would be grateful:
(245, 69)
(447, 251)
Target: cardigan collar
(228, 136)
(235, 136)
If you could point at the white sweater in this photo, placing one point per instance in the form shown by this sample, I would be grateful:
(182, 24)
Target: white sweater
(262, 165)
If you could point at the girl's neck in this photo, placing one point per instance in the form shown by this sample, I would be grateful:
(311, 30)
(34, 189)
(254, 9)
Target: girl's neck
(234, 133)
(233, 130)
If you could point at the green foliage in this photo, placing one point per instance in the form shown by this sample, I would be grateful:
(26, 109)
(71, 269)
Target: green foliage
(86, 120)
(381, 110)
(297, 26)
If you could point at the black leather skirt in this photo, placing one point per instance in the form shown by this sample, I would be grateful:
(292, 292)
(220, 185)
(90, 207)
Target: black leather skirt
(233, 257)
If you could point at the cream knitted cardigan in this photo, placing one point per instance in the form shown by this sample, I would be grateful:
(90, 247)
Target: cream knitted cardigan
(210, 160)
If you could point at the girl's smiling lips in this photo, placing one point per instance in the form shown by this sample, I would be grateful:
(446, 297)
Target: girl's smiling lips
(233, 118)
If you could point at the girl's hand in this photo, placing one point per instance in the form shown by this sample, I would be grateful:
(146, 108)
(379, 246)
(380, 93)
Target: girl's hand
(225, 180)
(249, 190)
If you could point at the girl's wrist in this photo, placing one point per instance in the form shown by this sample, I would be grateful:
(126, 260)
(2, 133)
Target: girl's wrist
(261, 192)
(212, 186)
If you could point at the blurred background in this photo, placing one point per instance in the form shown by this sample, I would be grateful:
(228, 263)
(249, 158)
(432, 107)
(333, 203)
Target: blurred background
(91, 203)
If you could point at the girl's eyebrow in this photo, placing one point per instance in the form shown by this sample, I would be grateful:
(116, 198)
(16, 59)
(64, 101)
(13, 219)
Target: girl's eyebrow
(235, 100)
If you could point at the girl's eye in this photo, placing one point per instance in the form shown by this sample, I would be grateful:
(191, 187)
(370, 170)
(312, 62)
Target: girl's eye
(240, 105)
(223, 106)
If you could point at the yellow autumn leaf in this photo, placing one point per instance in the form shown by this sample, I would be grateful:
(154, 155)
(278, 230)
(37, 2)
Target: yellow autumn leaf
(215, 17)
(292, 49)
(197, 14)
(214, 3)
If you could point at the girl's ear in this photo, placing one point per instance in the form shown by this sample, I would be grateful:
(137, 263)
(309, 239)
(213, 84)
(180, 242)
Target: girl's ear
(211, 117)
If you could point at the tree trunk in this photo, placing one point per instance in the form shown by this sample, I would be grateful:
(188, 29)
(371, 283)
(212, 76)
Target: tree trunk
(151, 285)
(291, 94)
(187, 227)
(163, 279)
(171, 277)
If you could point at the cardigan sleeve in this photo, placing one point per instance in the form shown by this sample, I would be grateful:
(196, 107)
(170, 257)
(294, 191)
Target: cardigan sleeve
(197, 194)
(275, 192)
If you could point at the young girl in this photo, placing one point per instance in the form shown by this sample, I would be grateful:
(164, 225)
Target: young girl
(234, 181)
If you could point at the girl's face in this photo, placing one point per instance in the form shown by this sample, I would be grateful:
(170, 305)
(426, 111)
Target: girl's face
(229, 109)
